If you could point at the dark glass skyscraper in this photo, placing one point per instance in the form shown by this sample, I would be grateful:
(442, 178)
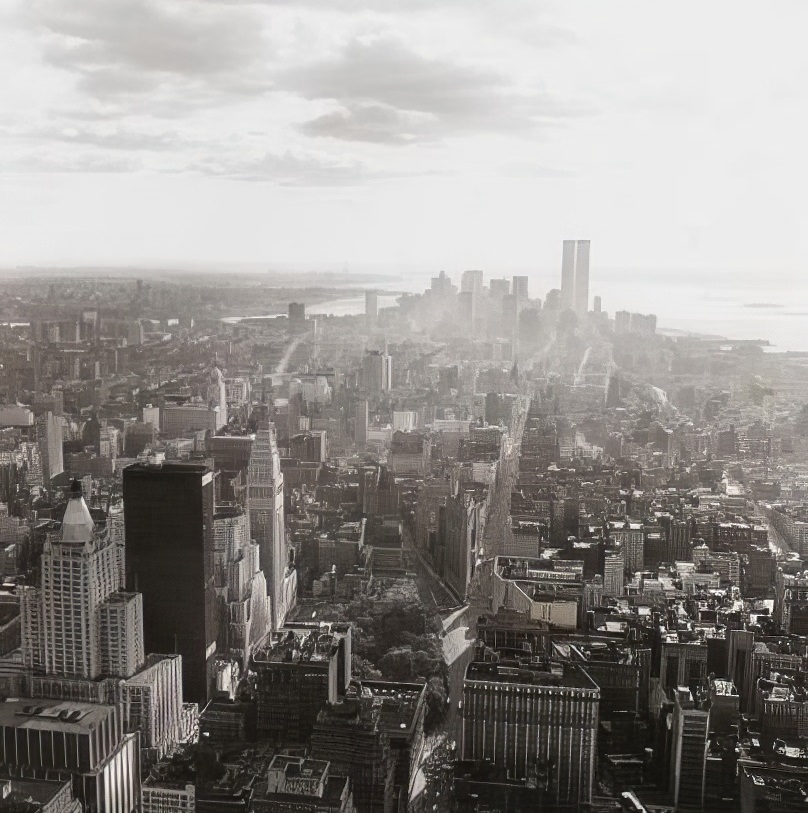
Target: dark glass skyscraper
(168, 515)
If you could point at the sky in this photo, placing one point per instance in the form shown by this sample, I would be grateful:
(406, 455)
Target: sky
(395, 135)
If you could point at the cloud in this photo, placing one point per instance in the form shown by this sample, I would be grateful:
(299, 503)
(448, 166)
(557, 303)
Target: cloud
(123, 48)
(88, 163)
(375, 123)
(109, 139)
(286, 169)
(381, 85)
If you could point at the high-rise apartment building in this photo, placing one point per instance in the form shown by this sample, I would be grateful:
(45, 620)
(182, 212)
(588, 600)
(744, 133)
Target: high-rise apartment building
(168, 514)
(575, 276)
(49, 438)
(265, 490)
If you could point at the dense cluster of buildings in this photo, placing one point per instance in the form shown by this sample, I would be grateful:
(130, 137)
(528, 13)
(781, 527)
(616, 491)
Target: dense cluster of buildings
(477, 551)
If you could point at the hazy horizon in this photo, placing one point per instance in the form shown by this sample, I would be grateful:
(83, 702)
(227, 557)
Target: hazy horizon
(756, 305)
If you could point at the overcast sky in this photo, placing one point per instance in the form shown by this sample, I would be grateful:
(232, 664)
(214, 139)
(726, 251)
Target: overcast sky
(423, 134)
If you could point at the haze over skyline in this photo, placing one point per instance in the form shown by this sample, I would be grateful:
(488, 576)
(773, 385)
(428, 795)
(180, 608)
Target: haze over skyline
(436, 134)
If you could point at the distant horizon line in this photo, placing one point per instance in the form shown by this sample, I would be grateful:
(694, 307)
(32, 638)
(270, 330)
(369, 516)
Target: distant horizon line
(363, 268)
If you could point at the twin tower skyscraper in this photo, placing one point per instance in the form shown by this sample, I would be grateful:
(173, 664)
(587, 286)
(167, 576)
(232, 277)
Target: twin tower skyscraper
(575, 276)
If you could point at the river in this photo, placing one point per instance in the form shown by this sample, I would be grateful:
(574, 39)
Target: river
(344, 306)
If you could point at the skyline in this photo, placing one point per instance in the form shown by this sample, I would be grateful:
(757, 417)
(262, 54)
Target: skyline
(135, 133)
(757, 307)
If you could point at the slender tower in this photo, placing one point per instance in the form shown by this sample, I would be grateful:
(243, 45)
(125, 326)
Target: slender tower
(568, 275)
(265, 489)
(582, 277)
(575, 276)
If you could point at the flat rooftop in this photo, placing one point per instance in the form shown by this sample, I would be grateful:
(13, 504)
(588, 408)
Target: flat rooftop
(400, 703)
(120, 597)
(47, 715)
(180, 469)
(301, 644)
(529, 674)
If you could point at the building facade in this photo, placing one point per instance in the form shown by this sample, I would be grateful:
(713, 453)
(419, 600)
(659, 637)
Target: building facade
(535, 724)
(265, 490)
(168, 514)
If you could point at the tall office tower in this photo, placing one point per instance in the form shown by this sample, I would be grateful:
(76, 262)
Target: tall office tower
(582, 277)
(691, 726)
(613, 572)
(568, 275)
(71, 639)
(575, 276)
(371, 304)
(265, 489)
(49, 438)
(679, 548)
(597, 304)
(536, 723)
(217, 396)
(467, 312)
(497, 288)
(377, 372)
(109, 441)
(240, 584)
(361, 424)
(472, 282)
(231, 459)
(168, 516)
(441, 286)
(65, 622)
(520, 292)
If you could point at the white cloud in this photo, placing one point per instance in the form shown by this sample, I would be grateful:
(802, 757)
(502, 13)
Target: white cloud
(491, 130)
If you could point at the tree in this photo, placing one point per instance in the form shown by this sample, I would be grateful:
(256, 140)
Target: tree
(435, 700)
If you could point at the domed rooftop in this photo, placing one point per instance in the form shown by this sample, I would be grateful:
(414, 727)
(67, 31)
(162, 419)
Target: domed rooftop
(77, 525)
